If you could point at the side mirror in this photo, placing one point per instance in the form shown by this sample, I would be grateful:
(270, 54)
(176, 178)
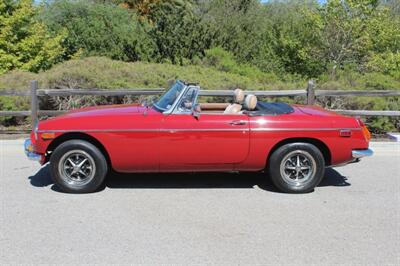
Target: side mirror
(196, 111)
(148, 101)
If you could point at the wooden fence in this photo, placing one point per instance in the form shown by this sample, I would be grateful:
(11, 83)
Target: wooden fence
(309, 93)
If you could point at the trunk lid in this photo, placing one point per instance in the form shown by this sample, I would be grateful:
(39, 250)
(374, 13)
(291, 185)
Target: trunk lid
(315, 110)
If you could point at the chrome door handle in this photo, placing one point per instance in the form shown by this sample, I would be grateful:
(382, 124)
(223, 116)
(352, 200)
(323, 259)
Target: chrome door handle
(238, 123)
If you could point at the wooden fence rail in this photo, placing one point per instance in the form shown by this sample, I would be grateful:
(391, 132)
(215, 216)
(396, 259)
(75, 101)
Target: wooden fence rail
(309, 93)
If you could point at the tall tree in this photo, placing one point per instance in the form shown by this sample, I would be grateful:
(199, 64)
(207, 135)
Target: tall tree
(345, 31)
(177, 31)
(24, 42)
(293, 37)
(103, 29)
(235, 25)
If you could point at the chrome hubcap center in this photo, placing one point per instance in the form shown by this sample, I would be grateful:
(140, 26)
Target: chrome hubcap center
(77, 167)
(297, 167)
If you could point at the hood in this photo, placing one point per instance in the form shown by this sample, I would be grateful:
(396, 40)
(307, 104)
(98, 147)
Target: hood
(105, 110)
(99, 117)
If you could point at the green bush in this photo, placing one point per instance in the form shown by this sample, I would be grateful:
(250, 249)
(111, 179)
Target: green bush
(351, 79)
(101, 72)
(224, 61)
(98, 29)
(13, 104)
(25, 43)
(387, 63)
(379, 125)
(220, 59)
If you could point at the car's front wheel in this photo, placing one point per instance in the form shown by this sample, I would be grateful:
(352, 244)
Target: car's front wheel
(296, 167)
(78, 166)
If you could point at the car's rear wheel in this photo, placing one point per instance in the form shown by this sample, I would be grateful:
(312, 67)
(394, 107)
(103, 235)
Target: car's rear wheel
(296, 167)
(78, 166)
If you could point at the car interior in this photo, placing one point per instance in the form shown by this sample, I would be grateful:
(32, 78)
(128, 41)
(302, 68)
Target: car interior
(246, 104)
(239, 105)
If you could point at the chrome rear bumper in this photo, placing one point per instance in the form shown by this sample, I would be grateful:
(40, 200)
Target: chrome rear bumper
(357, 154)
(28, 148)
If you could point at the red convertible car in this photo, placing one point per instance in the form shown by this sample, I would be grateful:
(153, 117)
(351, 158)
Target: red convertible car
(181, 132)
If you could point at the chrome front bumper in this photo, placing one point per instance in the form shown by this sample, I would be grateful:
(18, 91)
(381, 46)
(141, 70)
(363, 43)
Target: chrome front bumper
(28, 148)
(358, 154)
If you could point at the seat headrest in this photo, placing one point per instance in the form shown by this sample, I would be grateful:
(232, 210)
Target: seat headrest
(238, 96)
(250, 102)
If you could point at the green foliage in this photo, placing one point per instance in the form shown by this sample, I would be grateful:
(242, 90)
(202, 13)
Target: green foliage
(101, 72)
(220, 59)
(176, 31)
(291, 37)
(295, 39)
(379, 125)
(343, 44)
(26, 43)
(99, 29)
(224, 61)
(12, 104)
(387, 63)
(356, 32)
(351, 79)
(236, 26)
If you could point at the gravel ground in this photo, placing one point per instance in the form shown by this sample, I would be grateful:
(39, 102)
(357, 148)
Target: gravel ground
(352, 218)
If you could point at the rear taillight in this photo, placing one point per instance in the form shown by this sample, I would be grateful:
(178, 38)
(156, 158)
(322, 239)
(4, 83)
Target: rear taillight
(365, 131)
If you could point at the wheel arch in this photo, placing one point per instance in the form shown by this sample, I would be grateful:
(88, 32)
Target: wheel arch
(316, 142)
(78, 136)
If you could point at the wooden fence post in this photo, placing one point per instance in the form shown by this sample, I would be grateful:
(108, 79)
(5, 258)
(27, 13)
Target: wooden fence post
(310, 93)
(34, 103)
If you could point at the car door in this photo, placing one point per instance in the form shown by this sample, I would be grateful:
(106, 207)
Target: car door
(207, 142)
(132, 141)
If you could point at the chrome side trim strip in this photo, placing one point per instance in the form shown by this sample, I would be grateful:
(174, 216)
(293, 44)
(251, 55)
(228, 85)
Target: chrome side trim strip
(97, 130)
(196, 130)
(204, 130)
(146, 130)
(302, 129)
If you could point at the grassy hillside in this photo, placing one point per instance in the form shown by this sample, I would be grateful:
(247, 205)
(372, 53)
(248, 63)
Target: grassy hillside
(99, 72)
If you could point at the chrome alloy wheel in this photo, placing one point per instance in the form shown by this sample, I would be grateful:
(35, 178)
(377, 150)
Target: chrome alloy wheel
(77, 167)
(297, 167)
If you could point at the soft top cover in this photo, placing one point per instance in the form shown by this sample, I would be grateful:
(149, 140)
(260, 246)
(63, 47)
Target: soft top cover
(265, 108)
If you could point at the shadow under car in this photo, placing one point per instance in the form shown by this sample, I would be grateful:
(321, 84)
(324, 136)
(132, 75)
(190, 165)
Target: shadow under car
(189, 180)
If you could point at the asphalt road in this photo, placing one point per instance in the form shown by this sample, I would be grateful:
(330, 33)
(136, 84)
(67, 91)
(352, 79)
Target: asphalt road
(353, 217)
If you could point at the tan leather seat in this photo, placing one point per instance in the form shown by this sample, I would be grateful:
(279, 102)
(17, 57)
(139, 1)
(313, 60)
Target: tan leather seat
(233, 109)
(236, 106)
(250, 102)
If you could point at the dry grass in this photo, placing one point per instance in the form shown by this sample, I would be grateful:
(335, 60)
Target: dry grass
(99, 72)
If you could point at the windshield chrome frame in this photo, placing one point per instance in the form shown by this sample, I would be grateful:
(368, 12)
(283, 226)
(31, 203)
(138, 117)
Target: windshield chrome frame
(168, 111)
(172, 109)
(197, 88)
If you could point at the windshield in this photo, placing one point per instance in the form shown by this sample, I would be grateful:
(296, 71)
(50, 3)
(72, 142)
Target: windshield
(169, 97)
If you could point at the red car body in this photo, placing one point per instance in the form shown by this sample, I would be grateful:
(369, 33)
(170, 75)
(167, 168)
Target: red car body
(141, 139)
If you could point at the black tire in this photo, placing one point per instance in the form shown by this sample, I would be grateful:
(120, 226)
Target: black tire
(73, 153)
(285, 158)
